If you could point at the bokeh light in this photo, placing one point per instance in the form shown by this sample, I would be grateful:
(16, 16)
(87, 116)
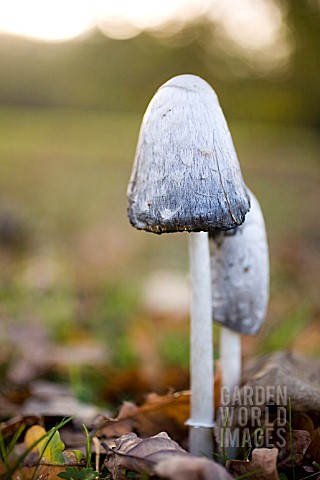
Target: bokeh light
(46, 20)
(252, 24)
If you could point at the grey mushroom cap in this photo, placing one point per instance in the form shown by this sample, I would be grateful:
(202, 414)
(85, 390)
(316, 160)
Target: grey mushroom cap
(240, 274)
(186, 175)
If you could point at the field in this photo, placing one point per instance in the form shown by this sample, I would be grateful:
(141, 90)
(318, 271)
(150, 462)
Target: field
(75, 274)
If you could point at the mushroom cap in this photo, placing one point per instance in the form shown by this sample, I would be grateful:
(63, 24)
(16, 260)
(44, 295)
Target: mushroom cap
(240, 274)
(186, 175)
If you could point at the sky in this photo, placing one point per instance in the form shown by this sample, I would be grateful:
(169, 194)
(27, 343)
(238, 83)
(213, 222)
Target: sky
(253, 24)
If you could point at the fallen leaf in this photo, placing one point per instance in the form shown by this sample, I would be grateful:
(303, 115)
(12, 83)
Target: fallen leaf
(300, 377)
(48, 445)
(303, 421)
(263, 465)
(140, 455)
(294, 449)
(35, 437)
(15, 393)
(9, 428)
(72, 457)
(191, 468)
(159, 455)
(53, 449)
(116, 427)
(41, 472)
(158, 413)
(164, 413)
(128, 383)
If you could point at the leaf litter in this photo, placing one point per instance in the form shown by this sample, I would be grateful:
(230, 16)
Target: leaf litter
(151, 438)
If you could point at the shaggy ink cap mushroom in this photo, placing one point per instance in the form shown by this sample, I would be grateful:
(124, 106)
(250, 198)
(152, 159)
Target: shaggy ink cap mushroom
(186, 175)
(240, 274)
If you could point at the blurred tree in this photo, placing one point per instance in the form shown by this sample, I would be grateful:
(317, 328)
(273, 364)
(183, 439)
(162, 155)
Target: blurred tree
(98, 72)
(303, 18)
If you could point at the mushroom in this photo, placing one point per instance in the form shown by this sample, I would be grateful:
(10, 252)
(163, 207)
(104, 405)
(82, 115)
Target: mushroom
(240, 287)
(186, 177)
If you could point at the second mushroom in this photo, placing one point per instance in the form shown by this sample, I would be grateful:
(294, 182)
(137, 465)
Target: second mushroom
(240, 287)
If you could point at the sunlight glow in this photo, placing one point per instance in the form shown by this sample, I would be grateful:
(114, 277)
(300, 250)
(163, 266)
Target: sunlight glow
(252, 24)
(255, 24)
(59, 20)
(144, 14)
(45, 19)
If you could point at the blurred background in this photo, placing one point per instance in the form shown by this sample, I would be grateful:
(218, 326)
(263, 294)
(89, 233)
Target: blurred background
(82, 293)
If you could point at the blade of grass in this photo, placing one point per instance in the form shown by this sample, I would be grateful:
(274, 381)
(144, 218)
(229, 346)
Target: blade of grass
(16, 465)
(317, 465)
(223, 435)
(6, 450)
(16, 437)
(3, 450)
(88, 445)
(291, 440)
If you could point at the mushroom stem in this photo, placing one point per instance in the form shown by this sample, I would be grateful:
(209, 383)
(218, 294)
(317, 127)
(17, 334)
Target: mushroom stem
(201, 361)
(230, 357)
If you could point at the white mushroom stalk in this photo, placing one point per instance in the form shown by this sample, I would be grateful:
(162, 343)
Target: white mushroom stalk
(230, 358)
(186, 177)
(201, 348)
(240, 287)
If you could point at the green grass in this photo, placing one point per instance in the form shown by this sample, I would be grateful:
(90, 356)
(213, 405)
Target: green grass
(66, 168)
(280, 337)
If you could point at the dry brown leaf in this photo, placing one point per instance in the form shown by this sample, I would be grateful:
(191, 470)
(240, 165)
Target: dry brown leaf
(140, 455)
(159, 455)
(164, 412)
(293, 452)
(191, 468)
(9, 428)
(116, 427)
(43, 472)
(299, 375)
(158, 413)
(129, 383)
(263, 463)
(303, 421)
